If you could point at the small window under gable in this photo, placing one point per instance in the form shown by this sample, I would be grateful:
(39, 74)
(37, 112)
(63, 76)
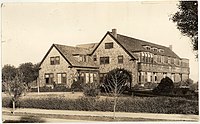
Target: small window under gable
(109, 45)
(95, 57)
(120, 59)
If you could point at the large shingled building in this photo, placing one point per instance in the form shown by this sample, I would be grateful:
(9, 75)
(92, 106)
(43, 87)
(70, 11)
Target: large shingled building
(88, 63)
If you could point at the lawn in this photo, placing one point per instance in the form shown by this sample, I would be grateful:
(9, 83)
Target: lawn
(76, 101)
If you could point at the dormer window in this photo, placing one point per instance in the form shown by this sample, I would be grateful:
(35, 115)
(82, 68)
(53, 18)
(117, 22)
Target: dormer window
(155, 49)
(108, 45)
(161, 50)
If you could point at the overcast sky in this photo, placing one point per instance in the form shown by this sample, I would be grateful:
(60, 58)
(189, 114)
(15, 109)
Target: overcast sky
(29, 29)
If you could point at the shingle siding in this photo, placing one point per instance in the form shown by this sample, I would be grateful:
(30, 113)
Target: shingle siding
(46, 67)
(113, 54)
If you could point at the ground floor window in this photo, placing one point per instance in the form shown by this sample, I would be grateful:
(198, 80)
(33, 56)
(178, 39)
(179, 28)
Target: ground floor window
(61, 78)
(49, 78)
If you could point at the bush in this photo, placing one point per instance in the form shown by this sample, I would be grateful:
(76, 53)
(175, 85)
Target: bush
(167, 105)
(164, 87)
(91, 90)
(138, 87)
(150, 85)
(77, 86)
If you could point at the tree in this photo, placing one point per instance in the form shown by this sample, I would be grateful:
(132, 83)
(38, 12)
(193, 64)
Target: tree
(15, 88)
(186, 20)
(29, 72)
(166, 85)
(8, 72)
(115, 83)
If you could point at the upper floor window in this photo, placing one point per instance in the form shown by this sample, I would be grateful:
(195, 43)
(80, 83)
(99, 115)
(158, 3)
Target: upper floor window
(161, 50)
(108, 45)
(120, 59)
(95, 57)
(104, 60)
(172, 60)
(55, 60)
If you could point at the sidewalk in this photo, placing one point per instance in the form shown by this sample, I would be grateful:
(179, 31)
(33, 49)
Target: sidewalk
(170, 117)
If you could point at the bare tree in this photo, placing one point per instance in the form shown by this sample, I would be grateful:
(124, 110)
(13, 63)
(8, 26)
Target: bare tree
(14, 88)
(116, 82)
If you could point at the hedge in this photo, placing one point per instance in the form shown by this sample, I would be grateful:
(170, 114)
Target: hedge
(166, 105)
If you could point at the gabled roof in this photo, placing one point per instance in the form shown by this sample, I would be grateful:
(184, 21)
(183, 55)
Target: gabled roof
(110, 34)
(132, 45)
(69, 54)
(136, 45)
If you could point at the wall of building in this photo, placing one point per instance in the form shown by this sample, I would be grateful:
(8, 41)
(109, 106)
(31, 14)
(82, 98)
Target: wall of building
(46, 67)
(113, 54)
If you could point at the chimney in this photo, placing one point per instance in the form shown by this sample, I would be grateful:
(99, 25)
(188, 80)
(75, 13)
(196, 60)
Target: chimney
(170, 47)
(114, 32)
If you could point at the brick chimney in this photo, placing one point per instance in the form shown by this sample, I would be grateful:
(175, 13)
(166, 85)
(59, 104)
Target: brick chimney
(170, 47)
(114, 32)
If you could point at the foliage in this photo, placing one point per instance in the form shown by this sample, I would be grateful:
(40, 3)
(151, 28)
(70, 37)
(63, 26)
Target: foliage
(91, 90)
(167, 105)
(8, 72)
(186, 19)
(117, 81)
(29, 72)
(150, 85)
(165, 86)
(77, 86)
(15, 88)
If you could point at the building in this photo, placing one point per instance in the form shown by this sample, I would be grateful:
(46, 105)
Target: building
(89, 63)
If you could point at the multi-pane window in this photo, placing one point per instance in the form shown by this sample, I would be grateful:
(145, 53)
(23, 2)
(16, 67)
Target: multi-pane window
(120, 59)
(108, 45)
(165, 59)
(95, 57)
(104, 60)
(55, 60)
(49, 78)
(172, 61)
(52, 60)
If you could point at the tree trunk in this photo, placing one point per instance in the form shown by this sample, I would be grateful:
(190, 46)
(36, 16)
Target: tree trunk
(13, 110)
(114, 107)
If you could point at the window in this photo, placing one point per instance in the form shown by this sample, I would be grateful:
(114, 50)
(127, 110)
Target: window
(120, 59)
(55, 60)
(95, 57)
(165, 59)
(52, 60)
(104, 60)
(172, 61)
(108, 45)
(49, 78)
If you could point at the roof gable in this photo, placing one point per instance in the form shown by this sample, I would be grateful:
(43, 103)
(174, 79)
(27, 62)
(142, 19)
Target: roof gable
(108, 33)
(69, 53)
(53, 46)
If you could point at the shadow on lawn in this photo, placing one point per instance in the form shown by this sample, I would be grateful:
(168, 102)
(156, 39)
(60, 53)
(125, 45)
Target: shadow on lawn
(26, 119)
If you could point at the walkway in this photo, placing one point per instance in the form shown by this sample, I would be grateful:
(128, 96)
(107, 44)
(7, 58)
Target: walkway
(170, 117)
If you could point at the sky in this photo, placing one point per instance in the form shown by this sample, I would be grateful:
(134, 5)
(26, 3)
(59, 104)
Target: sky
(29, 29)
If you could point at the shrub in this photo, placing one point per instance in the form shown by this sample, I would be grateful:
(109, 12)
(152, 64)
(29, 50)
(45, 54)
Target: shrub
(77, 86)
(150, 85)
(164, 87)
(91, 90)
(168, 105)
(138, 87)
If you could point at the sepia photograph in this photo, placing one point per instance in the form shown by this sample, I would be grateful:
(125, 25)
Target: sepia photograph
(99, 61)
